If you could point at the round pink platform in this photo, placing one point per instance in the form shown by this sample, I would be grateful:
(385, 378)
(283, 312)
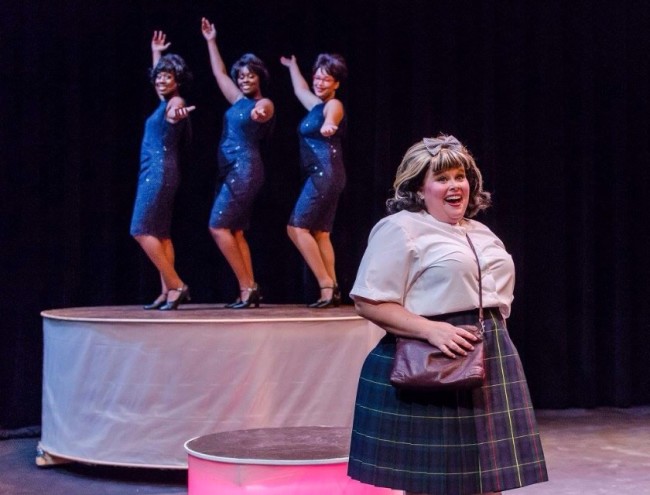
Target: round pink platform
(274, 461)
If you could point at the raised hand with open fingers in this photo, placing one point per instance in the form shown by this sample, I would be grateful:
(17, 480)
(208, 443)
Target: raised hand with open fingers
(207, 29)
(159, 42)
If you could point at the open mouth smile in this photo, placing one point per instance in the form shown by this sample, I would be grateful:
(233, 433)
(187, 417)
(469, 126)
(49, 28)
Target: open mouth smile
(454, 200)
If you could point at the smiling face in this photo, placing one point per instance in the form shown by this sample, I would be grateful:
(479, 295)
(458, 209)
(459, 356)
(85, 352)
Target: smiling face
(248, 82)
(166, 85)
(446, 194)
(324, 85)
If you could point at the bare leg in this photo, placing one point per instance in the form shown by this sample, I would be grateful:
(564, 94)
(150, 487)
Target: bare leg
(326, 251)
(310, 250)
(245, 252)
(170, 254)
(230, 246)
(161, 254)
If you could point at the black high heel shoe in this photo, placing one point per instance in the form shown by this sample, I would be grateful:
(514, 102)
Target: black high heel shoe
(254, 298)
(183, 296)
(233, 304)
(160, 301)
(334, 301)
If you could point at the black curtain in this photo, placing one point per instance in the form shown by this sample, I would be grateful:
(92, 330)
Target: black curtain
(550, 96)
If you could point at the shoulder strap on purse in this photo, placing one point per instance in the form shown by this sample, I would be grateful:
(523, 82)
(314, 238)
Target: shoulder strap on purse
(480, 286)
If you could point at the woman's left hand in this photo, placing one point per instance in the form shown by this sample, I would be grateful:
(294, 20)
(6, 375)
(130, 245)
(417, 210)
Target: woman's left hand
(179, 113)
(184, 111)
(258, 114)
(328, 130)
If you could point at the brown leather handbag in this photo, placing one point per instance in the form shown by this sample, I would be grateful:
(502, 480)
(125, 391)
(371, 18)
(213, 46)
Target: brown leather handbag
(422, 366)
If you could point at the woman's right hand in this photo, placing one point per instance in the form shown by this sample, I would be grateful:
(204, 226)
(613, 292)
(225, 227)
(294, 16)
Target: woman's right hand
(208, 30)
(452, 341)
(159, 42)
(396, 319)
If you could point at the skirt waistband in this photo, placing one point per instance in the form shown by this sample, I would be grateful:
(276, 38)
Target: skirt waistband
(469, 317)
(470, 314)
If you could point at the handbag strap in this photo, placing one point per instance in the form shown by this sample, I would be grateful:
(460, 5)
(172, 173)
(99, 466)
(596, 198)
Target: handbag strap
(480, 286)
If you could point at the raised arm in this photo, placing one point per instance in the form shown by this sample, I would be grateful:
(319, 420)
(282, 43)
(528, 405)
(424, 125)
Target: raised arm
(227, 86)
(300, 87)
(397, 320)
(158, 45)
(333, 113)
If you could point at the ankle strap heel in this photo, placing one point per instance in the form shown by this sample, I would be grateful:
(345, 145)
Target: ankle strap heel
(183, 296)
(254, 298)
(334, 301)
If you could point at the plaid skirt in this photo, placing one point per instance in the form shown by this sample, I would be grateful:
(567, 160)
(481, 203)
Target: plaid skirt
(452, 442)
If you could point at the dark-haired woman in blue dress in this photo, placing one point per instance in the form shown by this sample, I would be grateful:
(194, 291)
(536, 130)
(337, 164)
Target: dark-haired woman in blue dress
(321, 159)
(166, 132)
(246, 123)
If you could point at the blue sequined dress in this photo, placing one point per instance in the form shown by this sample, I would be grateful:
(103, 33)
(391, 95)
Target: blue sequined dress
(159, 174)
(321, 162)
(240, 166)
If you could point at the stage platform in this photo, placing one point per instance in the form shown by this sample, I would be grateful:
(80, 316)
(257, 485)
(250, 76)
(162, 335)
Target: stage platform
(300, 460)
(128, 387)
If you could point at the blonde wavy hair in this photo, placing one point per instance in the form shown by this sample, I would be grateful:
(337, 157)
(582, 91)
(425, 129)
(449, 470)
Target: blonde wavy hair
(439, 154)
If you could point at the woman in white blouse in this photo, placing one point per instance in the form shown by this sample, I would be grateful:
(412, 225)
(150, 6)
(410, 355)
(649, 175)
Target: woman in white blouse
(418, 278)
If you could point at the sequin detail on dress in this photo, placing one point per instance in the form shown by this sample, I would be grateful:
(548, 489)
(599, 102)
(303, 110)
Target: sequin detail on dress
(241, 169)
(159, 174)
(321, 161)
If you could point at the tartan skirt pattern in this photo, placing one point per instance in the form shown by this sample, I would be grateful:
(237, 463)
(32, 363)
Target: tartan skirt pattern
(452, 442)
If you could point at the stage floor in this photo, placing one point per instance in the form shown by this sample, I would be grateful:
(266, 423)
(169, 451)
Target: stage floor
(601, 451)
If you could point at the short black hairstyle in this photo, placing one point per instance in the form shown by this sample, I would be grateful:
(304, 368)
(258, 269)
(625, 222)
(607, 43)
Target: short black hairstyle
(174, 64)
(254, 64)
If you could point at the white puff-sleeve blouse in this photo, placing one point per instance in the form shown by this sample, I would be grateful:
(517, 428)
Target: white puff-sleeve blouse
(428, 267)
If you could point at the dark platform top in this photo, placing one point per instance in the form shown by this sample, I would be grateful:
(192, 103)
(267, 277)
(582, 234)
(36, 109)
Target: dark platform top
(202, 313)
(297, 445)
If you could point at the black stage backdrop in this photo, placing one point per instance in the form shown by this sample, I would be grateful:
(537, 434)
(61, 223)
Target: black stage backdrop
(550, 96)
